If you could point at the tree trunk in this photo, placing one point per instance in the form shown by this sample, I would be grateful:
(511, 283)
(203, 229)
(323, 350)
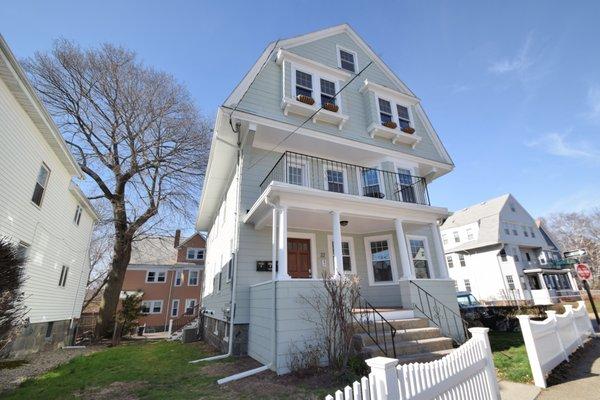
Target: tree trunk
(110, 297)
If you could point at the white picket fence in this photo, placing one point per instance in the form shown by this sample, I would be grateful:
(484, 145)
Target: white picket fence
(467, 373)
(551, 341)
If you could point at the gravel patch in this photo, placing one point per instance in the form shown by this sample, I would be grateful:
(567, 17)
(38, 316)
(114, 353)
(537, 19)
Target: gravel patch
(38, 363)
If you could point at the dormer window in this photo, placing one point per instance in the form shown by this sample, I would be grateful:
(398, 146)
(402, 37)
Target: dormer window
(403, 117)
(347, 60)
(385, 111)
(303, 84)
(327, 92)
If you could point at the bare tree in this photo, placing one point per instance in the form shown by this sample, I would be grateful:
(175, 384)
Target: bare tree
(135, 132)
(579, 230)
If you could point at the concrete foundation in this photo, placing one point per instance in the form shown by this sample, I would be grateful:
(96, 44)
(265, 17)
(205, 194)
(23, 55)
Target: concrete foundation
(216, 333)
(41, 336)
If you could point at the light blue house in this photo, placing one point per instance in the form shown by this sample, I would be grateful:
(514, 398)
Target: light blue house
(320, 160)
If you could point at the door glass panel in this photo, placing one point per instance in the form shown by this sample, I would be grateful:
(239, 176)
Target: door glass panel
(419, 255)
(380, 258)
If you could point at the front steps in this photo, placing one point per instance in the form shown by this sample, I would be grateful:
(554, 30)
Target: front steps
(415, 340)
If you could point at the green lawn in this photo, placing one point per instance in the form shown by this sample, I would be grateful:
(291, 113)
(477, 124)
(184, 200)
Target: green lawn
(510, 356)
(157, 370)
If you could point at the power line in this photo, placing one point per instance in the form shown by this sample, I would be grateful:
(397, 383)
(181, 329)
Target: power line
(309, 118)
(251, 83)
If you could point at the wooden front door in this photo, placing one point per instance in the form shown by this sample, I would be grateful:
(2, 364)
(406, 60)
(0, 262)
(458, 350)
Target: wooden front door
(299, 258)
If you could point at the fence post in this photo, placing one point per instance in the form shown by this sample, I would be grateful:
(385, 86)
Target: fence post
(481, 335)
(386, 377)
(532, 353)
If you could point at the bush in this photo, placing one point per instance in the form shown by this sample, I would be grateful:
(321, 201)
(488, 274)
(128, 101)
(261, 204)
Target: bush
(12, 309)
(131, 309)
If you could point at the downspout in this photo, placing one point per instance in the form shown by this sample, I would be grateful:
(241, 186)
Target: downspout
(234, 255)
(168, 305)
(274, 279)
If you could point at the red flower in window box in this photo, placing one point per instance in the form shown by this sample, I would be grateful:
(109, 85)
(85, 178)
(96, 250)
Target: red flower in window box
(390, 124)
(305, 99)
(331, 107)
(408, 129)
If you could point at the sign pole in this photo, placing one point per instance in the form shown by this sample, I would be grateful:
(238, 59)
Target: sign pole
(586, 286)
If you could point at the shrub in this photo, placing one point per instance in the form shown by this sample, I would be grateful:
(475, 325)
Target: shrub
(12, 309)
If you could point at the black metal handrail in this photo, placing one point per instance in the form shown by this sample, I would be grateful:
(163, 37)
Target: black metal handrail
(336, 176)
(188, 316)
(365, 315)
(430, 308)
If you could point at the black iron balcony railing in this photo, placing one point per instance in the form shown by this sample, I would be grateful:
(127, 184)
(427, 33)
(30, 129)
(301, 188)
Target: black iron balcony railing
(335, 176)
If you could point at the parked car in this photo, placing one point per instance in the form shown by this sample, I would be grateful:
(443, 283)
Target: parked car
(498, 318)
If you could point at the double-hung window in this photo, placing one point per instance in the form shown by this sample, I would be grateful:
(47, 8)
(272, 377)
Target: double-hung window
(370, 183)
(385, 111)
(40, 185)
(407, 190)
(175, 308)
(467, 285)
(347, 61)
(295, 173)
(403, 116)
(444, 238)
(335, 180)
(155, 276)
(470, 234)
(195, 253)
(461, 260)
(511, 282)
(62, 281)
(193, 278)
(77, 217)
(450, 261)
(189, 306)
(419, 252)
(152, 306)
(327, 92)
(304, 86)
(346, 257)
(456, 237)
(178, 278)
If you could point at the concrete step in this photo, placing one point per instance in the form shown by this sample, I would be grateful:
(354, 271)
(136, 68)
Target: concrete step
(401, 324)
(423, 357)
(409, 347)
(401, 335)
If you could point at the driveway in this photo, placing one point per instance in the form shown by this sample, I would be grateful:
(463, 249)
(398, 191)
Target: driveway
(579, 378)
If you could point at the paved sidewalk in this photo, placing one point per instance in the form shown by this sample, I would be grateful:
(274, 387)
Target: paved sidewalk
(517, 391)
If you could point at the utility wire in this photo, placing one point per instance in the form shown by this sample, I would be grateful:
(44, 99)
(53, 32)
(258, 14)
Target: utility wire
(251, 83)
(309, 118)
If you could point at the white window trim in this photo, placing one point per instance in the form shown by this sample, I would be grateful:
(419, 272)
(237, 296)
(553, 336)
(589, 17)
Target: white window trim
(187, 304)
(339, 58)
(305, 171)
(412, 170)
(177, 272)
(313, 250)
(196, 249)
(380, 178)
(47, 168)
(316, 83)
(339, 169)
(425, 240)
(156, 271)
(151, 308)
(78, 212)
(190, 277)
(350, 241)
(463, 259)
(393, 105)
(173, 306)
(392, 250)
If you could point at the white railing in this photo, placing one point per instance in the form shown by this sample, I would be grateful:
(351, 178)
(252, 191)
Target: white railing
(465, 374)
(551, 341)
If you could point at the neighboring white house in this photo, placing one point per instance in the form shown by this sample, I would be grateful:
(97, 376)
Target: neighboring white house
(42, 210)
(342, 193)
(498, 252)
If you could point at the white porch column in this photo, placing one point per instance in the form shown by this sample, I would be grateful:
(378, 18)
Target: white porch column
(542, 281)
(274, 245)
(282, 245)
(407, 272)
(573, 281)
(338, 262)
(439, 251)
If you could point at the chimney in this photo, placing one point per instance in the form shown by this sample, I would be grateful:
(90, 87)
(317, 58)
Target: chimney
(177, 237)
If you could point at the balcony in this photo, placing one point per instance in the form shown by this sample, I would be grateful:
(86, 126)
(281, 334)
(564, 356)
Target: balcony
(335, 176)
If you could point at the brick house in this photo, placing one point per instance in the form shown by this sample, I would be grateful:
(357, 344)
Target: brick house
(169, 273)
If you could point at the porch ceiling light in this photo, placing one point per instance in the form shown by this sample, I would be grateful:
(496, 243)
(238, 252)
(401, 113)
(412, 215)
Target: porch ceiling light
(343, 223)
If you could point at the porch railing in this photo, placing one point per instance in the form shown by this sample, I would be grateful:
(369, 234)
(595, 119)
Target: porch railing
(336, 176)
(441, 315)
(380, 330)
(189, 315)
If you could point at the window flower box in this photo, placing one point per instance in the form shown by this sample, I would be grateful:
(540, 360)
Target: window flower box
(390, 124)
(305, 99)
(408, 129)
(331, 107)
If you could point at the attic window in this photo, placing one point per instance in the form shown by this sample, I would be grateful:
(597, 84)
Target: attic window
(303, 84)
(347, 60)
(512, 208)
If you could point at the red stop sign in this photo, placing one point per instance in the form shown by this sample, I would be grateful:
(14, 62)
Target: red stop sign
(583, 271)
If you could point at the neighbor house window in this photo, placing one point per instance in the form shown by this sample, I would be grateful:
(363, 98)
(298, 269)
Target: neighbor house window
(470, 234)
(178, 278)
(450, 261)
(461, 260)
(335, 180)
(193, 278)
(514, 230)
(385, 111)
(152, 306)
(503, 255)
(303, 84)
(77, 216)
(40, 185)
(347, 61)
(467, 285)
(189, 306)
(512, 208)
(175, 308)
(403, 117)
(456, 237)
(445, 238)
(370, 179)
(62, 281)
(532, 232)
(527, 256)
(506, 229)
(230, 270)
(511, 282)
(327, 92)
(381, 261)
(525, 233)
(419, 256)
(155, 276)
(195, 254)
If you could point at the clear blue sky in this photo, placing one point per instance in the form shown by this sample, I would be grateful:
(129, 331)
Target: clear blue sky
(512, 87)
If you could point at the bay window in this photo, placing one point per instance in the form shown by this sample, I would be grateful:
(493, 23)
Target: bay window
(385, 111)
(327, 92)
(303, 84)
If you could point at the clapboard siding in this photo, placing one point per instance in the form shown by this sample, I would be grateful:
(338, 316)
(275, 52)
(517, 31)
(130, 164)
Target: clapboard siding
(264, 97)
(49, 230)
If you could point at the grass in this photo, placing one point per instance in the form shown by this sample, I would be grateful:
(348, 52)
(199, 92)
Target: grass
(154, 370)
(510, 356)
